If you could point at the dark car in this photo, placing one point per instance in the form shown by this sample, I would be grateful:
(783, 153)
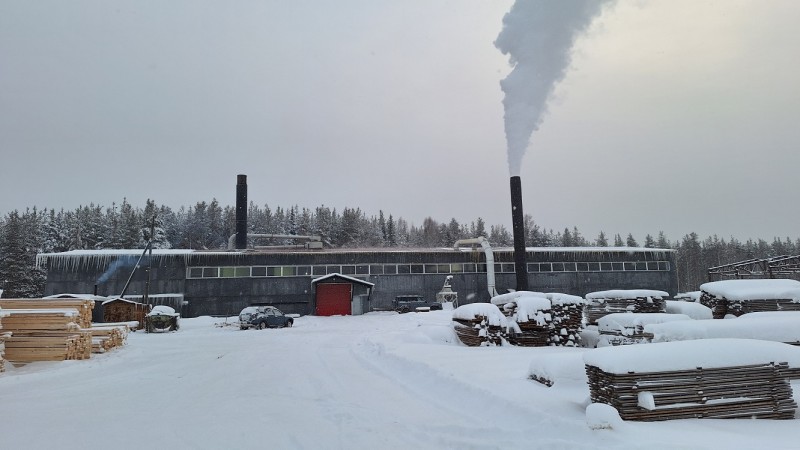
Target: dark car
(263, 317)
(411, 302)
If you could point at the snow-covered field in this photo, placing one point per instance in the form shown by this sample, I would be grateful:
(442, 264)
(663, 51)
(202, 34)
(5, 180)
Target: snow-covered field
(378, 381)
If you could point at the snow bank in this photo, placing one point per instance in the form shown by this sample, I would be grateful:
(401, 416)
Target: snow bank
(488, 310)
(688, 355)
(754, 289)
(694, 310)
(600, 416)
(628, 321)
(626, 294)
(552, 368)
(769, 328)
(771, 315)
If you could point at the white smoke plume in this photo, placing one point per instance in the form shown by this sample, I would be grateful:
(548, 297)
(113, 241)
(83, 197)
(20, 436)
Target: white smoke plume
(537, 36)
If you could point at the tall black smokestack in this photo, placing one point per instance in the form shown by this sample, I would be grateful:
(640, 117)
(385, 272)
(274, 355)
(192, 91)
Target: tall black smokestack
(517, 222)
(241, 212)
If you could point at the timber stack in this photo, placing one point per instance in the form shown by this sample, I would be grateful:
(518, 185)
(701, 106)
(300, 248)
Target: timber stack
(657, 382)
(567, 312)
(602, 303)
(632, 328)
(480, 324)
(739, 297)
(84, 307)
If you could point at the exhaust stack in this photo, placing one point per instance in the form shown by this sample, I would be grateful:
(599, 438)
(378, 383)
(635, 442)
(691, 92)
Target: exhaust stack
(518, 225)
(241, 212)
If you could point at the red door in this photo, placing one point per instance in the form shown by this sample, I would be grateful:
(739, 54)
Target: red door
(333, 299)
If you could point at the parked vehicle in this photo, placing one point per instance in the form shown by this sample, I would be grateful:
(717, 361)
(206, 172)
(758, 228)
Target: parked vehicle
(413, 302)
(263, 317)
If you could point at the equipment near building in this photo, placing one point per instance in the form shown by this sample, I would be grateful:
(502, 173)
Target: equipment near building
(161, 319)
(446, 295)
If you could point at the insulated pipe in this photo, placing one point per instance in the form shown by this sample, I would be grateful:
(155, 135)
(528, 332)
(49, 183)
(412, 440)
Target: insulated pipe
(241, 212)
(483, 242)
(518, 224)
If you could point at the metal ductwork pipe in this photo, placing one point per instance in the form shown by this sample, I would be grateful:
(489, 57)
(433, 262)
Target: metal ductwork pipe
(241, 212)
(518, 224)
(487, 249)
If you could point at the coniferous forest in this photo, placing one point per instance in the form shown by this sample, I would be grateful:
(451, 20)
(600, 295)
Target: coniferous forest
(207, 225)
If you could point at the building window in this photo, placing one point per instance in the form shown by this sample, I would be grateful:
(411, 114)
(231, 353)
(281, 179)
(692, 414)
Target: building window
(403, 268)
(456, 268)
(417, 268)
(210, 272)
(376, 269)
(273, 271)
(303, 270)
(431, 268)
(195, 272)
(390, 269)
(348, 270)
(258, 271)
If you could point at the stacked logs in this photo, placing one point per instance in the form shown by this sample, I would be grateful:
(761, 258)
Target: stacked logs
(105, 338)
(534, 321)
(717, 378)
(567, 312)
(480, 324)
(599, 304)
(721, 307)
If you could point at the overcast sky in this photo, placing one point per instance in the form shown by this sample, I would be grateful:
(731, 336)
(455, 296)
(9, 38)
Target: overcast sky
(678, 116)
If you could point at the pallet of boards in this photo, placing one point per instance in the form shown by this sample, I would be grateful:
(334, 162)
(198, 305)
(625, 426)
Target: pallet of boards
(82, 306)
(602, 303)
(661, 386)
(51, 346)
(105, 338)
(57, 319)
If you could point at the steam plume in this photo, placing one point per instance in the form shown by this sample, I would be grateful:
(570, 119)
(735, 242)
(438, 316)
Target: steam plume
(537, 36)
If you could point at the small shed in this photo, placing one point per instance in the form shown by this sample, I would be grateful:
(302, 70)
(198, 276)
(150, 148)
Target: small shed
(123, 310)
(339, 295)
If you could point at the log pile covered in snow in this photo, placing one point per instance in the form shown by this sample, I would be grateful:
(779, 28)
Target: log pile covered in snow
(601, 303)
(542, 319)
(738, 297)
(715, 378)
(82, 306)
(480, 324)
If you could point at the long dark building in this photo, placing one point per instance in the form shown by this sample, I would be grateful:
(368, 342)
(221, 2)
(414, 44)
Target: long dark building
(299, 281)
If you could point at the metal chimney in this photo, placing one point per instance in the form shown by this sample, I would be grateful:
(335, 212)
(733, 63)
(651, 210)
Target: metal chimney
(518, 224)
(241, 212)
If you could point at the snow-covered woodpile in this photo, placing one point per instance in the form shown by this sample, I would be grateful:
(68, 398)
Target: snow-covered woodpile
(480, 324)
(715, 378)
(601, 303)
(738, 297)
(629, 328)
(542, 319)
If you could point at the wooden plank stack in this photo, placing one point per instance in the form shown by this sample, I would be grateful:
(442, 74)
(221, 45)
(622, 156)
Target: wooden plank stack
(82, 306)
(712, 378)
(754, 391)
(599, 307)
(721, 307)
(53, 330)
(567, 315)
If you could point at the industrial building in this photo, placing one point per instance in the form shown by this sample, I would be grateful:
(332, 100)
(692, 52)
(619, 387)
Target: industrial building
(297, 281)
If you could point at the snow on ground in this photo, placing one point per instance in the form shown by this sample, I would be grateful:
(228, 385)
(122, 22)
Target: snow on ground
(378, 381)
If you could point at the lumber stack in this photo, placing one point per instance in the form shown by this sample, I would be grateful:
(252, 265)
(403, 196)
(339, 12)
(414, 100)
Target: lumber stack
(721, 307)
(633, 328)
(48, 346)
(599, 307)
(82, 306)
(59, 319)
(752, 391)
(3, 337)
(105, 338)
(478, 332)
(567, 324)
(710, 378)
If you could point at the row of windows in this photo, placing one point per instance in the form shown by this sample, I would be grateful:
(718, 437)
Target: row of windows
(393, 269)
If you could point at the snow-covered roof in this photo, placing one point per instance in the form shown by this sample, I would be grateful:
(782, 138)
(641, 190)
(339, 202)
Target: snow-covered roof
(331, 275)
(688, 355)
(627, 294)
(754, 289)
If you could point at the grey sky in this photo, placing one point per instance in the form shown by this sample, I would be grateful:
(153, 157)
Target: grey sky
(676, 115)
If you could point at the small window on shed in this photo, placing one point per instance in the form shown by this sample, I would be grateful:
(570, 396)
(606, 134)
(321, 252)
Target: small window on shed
(376, 269)
(242, 272)
(288, 271)
(456, 268)
(443, 268)
(210, 272)
(258, 271)
(303, 270)
(319, 270)
(582, 267)
(431, 268)
(469, 268)
(389, 269)
(195, 272)
(403, 268)
(273, 271)
(348, 270)
(417, 268)
(594, 267)
(362, 270)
